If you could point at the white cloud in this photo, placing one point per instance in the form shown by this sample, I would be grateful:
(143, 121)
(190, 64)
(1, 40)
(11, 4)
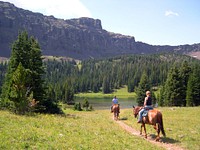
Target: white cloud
(171, 13)
(64, 9)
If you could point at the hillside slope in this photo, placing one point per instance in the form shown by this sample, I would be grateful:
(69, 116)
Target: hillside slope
(79, 38)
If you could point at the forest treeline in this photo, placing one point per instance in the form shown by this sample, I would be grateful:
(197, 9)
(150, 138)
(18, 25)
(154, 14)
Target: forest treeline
(105, 75)
(65, 78)
(175, 76)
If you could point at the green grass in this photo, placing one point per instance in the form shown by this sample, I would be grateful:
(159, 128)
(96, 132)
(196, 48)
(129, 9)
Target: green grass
(182, 125)
(120, 93)
(78, 130)
(95, 130)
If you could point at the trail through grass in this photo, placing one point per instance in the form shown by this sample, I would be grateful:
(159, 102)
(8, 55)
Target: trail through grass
(95, 130)
(182, 126)
(77, 130)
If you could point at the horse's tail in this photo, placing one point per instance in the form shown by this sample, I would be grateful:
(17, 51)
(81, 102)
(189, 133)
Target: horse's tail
(161, 124)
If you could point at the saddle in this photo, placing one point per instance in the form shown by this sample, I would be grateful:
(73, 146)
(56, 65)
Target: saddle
(145, 113)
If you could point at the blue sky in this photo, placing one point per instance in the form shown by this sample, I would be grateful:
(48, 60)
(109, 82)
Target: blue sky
(156, 22)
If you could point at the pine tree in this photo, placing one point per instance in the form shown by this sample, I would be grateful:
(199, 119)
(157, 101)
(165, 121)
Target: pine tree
(86, 104)
(37, 69)
(190, 91)
(19, 92)
(130, 85)
(142, 88)
(193, 88)
(173, 88)
(27, 53)
(68, 94)
(106, 85)
(185, 71)
(161, 97)
(19, 54)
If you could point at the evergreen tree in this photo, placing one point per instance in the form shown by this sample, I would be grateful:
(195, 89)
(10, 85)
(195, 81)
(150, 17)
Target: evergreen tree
(190, 91)
(37, 71)
(77, 106)
(173, 88)
(193, 88)
(3, 66)
(69, 94)
(19, 92)
(27, 53)
(142, 88)
(106, 85)
(161, 96)
(185, 71)
(154, 100)
(86, 104)
(19, 54)
(131, 85)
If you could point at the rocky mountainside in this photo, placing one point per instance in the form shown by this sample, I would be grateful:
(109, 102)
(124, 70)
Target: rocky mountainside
(80, 38)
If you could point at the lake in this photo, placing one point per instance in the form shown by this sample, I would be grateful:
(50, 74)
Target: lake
(105, 103)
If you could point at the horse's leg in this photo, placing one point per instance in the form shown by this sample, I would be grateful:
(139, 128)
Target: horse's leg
(117, 115)
(157, 128)
(158, 133)
(141, 129)
(145, 132)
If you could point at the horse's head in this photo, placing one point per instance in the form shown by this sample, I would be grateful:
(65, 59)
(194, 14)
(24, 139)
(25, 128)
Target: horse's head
(136, 110)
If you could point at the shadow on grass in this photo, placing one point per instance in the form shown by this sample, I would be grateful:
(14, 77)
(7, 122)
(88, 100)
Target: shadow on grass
(165, 139)
(123, 118)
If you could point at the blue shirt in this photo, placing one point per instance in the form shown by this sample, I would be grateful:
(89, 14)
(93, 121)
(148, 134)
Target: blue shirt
(115, 101)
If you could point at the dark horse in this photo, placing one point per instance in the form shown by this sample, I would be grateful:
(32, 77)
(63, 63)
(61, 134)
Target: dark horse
(154, 118)
(115, 110)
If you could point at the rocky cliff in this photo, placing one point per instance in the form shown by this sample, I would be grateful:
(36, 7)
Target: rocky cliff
(80, 38)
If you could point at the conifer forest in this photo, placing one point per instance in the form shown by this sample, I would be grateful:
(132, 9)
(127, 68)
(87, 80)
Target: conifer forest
(27, 77)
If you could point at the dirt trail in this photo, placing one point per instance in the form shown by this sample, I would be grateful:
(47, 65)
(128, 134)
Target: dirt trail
(131, 130)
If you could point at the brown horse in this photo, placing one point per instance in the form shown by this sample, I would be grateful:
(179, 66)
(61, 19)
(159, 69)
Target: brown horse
(115, 110)
(154, 118)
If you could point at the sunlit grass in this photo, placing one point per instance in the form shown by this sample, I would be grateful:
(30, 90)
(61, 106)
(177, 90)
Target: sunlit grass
(95, 130)
(76, 130)
(182, 125)
(120, 93)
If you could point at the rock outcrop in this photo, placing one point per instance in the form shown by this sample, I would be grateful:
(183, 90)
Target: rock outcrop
(80, 38)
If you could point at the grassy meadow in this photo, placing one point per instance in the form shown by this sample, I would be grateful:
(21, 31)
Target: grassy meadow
(95, 130)
(120, 93)
(73, 131)
(85, 130)
(181, 124)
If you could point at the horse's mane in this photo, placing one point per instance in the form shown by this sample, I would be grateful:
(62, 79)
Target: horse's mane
(137, 109)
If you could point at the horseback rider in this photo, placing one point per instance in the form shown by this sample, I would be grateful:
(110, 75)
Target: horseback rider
(114, 102)
(147, 105)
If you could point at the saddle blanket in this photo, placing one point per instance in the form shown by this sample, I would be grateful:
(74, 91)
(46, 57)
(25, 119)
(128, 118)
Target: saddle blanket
(145, 113)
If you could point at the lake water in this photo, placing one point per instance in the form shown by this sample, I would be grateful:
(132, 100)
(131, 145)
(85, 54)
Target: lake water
(105, 103)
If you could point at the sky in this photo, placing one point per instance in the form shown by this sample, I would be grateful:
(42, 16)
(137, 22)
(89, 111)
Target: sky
(156, 22)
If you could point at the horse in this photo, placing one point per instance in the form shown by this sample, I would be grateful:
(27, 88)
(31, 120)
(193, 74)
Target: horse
(115, 110)
(154, 117)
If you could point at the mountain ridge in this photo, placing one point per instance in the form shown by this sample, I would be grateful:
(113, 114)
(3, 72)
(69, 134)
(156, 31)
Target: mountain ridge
(79, 38)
